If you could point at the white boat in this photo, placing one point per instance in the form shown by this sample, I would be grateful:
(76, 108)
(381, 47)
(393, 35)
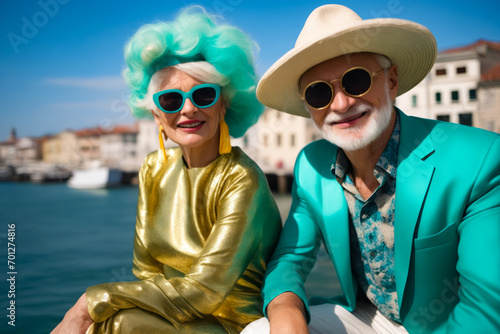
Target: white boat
(95, 178)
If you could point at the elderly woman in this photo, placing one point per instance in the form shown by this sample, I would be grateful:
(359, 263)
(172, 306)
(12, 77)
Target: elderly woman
(206, 219)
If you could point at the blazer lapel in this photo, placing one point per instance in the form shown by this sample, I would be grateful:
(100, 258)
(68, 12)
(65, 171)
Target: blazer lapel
(412, 183)
(335, 228)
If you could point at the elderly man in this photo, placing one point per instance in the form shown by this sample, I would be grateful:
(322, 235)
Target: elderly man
(408, 209)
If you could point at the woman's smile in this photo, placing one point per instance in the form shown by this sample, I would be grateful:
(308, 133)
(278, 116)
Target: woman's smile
(191, 125)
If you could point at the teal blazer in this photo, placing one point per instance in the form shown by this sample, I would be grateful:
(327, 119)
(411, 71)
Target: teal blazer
(447, 228)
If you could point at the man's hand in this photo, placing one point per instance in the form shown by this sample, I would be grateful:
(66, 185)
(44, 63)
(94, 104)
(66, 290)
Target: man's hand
(77, 320)
(287, 315)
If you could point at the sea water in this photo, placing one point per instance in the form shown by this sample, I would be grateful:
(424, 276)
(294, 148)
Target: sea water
(60, 240)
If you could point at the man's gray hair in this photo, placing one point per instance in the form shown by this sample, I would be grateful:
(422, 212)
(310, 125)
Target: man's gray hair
(383, 61)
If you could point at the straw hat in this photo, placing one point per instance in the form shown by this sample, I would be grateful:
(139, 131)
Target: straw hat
(333, 30)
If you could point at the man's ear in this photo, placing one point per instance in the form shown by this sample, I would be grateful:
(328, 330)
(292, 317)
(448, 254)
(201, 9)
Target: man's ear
(393, 82)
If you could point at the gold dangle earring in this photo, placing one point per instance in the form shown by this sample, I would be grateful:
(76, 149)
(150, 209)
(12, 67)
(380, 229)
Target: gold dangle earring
(225, 141)
(162, 147)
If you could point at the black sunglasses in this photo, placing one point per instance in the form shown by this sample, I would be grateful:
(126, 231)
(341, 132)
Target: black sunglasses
(356, 82)
(172, 100)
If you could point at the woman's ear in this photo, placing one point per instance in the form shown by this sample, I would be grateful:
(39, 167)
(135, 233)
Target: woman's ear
(223, 110)
(225, 102)
(157, 118)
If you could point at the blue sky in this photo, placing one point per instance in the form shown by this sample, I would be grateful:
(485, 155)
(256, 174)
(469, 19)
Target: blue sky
(61, 60)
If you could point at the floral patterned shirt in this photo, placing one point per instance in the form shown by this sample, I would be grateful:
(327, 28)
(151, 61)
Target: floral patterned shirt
(372, 228)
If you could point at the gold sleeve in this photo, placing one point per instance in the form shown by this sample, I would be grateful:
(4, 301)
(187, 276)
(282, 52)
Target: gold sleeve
(145, 265)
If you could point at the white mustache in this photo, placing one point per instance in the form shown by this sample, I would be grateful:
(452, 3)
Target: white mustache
(355, 110)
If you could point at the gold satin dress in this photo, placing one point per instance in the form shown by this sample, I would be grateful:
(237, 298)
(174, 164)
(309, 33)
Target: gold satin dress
(203, 238)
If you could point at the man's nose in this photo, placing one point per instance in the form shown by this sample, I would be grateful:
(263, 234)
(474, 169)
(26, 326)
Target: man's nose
(341, 101)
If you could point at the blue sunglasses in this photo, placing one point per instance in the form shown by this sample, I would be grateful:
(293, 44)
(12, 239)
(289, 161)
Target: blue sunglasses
(172, 100)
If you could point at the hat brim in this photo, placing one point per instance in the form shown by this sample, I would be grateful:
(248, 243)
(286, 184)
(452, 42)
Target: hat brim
(409, 45)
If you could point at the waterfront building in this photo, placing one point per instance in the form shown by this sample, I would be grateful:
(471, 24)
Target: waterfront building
(62, 149)
(7, 152)
(8, 148)
(459, 87)
(89, 143)
(118, 148)
(20, 150)
(248, 142)
(28, 150)
(147, 140)
(115, 148)
(279, 139)
(489, 100)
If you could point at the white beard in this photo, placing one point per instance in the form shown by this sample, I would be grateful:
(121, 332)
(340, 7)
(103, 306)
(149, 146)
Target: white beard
(358, 137)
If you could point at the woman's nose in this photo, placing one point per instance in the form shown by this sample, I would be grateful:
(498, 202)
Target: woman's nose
(188, 107)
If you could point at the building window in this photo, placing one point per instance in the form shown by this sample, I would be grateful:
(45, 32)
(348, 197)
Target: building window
(414, 100)
(465, 119)
(245, 141)
(438, 98)
(292, 140)
(440, 71)
(472, 95)
(131, 138)
(454, 96)
(445, 118)
(461, 70)
(278, 140)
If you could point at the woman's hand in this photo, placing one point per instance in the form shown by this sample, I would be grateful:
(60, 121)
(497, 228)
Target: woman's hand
(77, 320)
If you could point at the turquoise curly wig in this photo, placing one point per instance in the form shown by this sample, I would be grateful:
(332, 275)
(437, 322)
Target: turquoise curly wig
(195, 36)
